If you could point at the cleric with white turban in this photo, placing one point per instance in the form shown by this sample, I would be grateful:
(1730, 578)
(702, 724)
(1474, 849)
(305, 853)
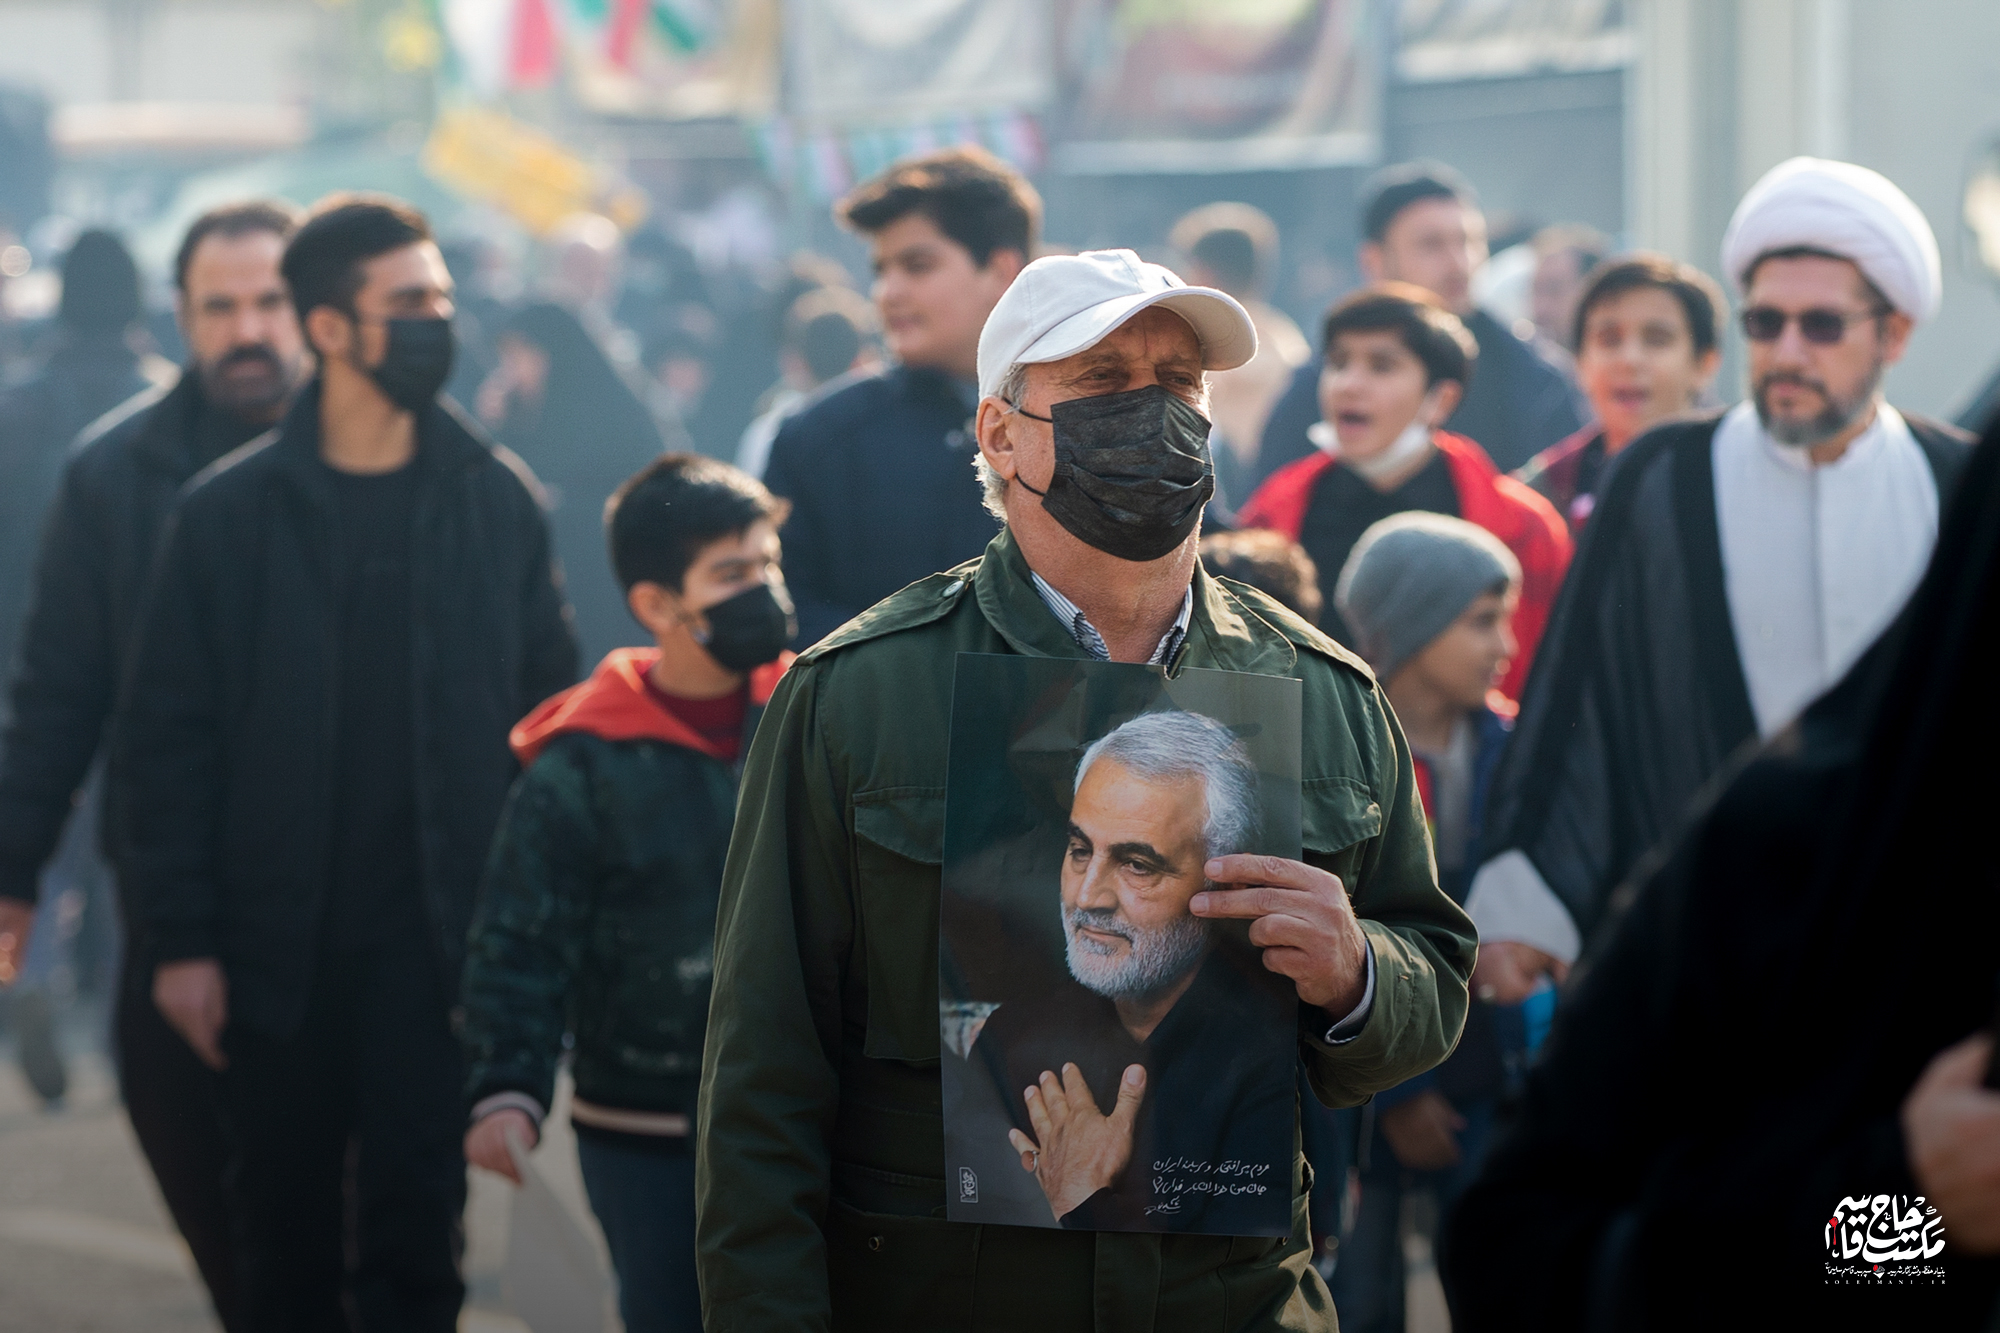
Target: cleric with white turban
(1774, 542)
(1838, 208)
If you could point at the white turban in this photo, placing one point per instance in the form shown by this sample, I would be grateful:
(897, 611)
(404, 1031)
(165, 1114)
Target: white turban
(1844, 210)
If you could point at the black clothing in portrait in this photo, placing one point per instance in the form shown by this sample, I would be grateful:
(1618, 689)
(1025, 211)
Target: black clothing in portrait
(1201, 1149)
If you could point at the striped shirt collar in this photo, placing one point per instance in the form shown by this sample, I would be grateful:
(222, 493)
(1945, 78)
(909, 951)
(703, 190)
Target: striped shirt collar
(1087, 637)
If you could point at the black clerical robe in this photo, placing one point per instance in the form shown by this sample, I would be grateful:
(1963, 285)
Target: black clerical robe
(1638, 694)
(1730, 1064)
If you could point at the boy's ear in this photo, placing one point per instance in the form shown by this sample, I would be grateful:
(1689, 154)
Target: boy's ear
(655, 607)
(1446, 395)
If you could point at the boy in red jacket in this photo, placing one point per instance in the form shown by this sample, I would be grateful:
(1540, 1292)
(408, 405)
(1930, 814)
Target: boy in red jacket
(1397, 363)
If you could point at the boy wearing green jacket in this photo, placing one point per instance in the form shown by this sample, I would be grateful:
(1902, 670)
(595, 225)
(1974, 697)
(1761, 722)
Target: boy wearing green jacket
(597, 917)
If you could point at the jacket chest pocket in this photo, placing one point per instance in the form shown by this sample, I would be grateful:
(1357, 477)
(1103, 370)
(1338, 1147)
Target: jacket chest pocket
(1337, 816)
(899, 852)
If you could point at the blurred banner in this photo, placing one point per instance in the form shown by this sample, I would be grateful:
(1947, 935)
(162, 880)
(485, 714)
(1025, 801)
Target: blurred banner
(676, 59)
(1443, 40)
(1219, 85)
(872, 63)
(664, 59)
(487, 155)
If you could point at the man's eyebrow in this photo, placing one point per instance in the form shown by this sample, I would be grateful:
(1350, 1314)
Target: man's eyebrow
(1141, 851)
(1092, 359)
(1078, 835)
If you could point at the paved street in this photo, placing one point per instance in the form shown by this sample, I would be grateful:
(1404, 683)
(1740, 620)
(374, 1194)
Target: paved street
(86, 1247)
(85, 1244)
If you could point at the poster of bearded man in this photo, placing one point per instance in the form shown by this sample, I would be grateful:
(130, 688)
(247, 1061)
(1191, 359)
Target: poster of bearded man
(1111, 1062)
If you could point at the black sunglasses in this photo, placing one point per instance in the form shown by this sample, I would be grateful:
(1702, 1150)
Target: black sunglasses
(1764, 324)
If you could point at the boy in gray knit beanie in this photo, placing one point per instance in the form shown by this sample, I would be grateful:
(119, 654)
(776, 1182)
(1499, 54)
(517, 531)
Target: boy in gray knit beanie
(1429, 599)
(1413, 574)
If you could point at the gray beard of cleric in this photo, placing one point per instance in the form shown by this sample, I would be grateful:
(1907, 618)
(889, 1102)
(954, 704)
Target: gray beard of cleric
(1837, 416)
(1158, 956)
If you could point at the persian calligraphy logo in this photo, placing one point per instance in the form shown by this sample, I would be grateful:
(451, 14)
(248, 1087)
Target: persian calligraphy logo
(1884, 1239)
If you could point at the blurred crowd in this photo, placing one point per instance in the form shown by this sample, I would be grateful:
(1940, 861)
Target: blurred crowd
(308, 778)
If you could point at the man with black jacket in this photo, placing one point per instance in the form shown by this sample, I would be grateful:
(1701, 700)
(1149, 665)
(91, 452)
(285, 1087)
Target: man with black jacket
(879, 474)
(245, 360)
(345, 622)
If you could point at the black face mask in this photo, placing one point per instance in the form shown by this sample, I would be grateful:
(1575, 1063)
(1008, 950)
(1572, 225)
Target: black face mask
(1132, 471)
(416, 363)
(749, 629)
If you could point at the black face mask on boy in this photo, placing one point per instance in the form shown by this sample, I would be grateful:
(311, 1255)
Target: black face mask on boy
(749, 629)
(1132, 471)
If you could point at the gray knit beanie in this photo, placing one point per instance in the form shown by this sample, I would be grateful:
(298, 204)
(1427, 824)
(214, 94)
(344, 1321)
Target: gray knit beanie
(1410, 576)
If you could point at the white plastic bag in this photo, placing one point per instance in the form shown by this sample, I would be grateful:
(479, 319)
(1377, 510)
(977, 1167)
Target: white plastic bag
(553, 1279)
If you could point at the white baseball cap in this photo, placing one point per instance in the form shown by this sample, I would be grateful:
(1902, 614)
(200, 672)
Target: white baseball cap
(1062, 304)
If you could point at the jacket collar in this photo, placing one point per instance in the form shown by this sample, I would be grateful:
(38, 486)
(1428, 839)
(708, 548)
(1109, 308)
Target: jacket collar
(1223, 634)
(166, 436)
(926, 382)
(446, 437)
(614, 704)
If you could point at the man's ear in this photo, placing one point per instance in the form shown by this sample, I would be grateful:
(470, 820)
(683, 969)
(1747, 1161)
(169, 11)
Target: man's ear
(996, 441)
(1373, 266)
(1896, 330)
(329, 333)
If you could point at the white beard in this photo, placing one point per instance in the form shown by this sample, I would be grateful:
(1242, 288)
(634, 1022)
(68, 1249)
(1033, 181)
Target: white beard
(1158, 956)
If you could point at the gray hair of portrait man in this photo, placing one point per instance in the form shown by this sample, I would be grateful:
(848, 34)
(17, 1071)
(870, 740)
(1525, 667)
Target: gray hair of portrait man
(1167, 746)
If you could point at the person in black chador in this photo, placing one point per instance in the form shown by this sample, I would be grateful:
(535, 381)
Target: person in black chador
(245, 359)
(571, 418)
(1136, 1102)
(1737, 1059)
(344, 623)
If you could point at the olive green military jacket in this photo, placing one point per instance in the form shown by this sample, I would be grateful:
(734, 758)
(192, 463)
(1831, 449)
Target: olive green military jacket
(821, 1156)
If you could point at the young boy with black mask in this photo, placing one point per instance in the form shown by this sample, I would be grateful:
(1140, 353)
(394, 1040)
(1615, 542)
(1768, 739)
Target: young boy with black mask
(598, 915)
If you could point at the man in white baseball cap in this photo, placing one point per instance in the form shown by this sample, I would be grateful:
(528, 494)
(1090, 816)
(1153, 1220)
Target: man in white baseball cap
(820, 1132)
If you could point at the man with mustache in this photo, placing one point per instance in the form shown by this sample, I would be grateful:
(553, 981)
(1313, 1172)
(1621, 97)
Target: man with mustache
(820, 1132)
(245, 357)
(1152, 1026)
(1737, 564)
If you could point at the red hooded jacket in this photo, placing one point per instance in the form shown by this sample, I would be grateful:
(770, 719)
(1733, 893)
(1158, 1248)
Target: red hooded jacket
(615, 705)
(1527, 524)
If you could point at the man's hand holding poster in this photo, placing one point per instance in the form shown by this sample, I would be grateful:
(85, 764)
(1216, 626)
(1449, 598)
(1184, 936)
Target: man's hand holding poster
(1112, 1061)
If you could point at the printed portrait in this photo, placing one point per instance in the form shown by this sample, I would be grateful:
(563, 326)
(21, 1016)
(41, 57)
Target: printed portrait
(1112, 1061)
